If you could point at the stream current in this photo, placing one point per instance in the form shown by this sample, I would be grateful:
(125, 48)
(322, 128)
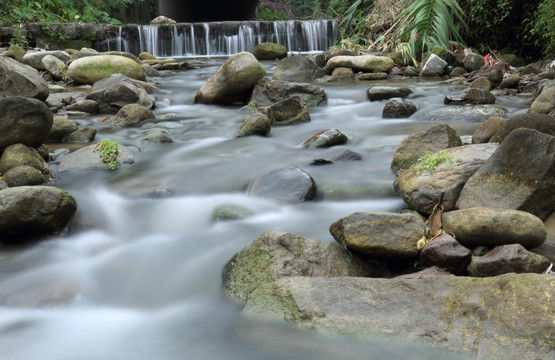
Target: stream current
(138, 276)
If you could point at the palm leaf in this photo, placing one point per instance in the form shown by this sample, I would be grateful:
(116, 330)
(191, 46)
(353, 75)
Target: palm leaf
(430, 23)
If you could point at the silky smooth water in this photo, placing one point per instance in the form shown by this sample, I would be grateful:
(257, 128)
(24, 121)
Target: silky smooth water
(138, 276)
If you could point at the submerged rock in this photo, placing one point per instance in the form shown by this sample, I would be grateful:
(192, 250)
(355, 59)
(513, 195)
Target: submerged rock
(292, 110)
(325, 138)
(289, 185)
(255, 124)
(398, 108)
(268, 91)
(376, 93)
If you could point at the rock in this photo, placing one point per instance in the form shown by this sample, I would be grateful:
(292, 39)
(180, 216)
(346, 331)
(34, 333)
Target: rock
(512, 59)
(485, 131)
(540, 122)
(414, 146)
(146, 56)
(384, 235)
(372, 76)
(434, 66)
(387, 92)
(256, 124)
(33, 211)
(61, 127)
(297, 68)
(458, 71)
(24, 120)
(16, 52)
(510, 82)
(428, 272)
(158, 136)
(528, 70)
(132, 115)
(269, 51)
(505, 259)
(17, 79)
(86, 106)
(411, 71)
(466, 113)
(88, 159)
(342, 74)
(292, 110)
(113, 93)
(227, 212)
(421, 189)
(233, 81)
(491, 227)
(84, 134)
(398, 108)
(470, 96)
(18, 155)
(364, 63)
(348, 155)
(287, 185)
(481, 83)
(473, 62)
(90, 69)
(325, 138)
(544, 103)
(35, 58)
(459, 314)
(162, 20)
(62, 99)
(276, 254)
(445, 252)
(23, 175)
(268, 91)
(515, 179)
(495, 76)
(55, 66)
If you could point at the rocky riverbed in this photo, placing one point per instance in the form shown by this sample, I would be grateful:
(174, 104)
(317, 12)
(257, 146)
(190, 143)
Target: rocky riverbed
(478, 214)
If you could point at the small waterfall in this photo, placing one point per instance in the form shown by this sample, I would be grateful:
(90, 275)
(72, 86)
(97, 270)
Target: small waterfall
(218, 38)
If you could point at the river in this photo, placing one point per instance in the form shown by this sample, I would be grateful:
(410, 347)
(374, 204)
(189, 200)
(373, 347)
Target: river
(138, 275)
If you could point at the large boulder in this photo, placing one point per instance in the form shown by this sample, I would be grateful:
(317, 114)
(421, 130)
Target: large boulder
(27, 211)
(268, 91)
(503, 317)
(35, 58)
(269, 51)
(90, 69)
(364, 63)
(297, 68)
(233, 81)
(288, 185)
(421, 188)
(513, 258)
(113, 93)
(24, 120)
(540, 122)
(414, 146)
(519, 175)
(493, 227)
(17, 79)
(384, 235)
(277, 254)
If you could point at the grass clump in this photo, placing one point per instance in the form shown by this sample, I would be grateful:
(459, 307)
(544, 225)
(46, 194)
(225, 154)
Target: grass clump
(430, 161)
(108, 152)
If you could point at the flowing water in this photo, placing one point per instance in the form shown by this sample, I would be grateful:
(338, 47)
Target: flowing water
(138, 276)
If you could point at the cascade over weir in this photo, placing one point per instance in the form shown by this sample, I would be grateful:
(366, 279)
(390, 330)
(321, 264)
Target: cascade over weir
(217, 38)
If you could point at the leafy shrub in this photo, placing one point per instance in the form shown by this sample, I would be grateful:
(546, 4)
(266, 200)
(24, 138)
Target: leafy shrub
(540, 28)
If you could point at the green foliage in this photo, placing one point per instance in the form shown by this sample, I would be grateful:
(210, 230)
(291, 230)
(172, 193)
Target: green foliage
(429, 162)
(540, 28)
(19, 37)
(305, 9)
(430, 23)
(109, 152)
(270, 15)
(60, 11)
